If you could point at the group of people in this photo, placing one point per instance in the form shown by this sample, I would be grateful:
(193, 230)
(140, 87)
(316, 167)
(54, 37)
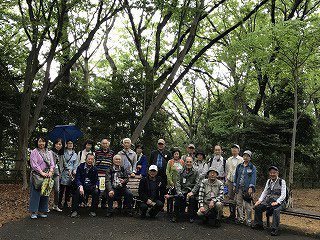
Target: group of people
(184, 181)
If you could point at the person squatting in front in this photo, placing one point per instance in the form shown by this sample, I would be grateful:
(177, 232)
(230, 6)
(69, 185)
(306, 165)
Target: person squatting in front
(211, 197)
(150, 188)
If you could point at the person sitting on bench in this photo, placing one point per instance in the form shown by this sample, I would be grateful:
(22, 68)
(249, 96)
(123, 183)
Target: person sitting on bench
(117, 178)
(272, 199)
(150, 188)
(211, 197)
(87, 182)
(187, 190)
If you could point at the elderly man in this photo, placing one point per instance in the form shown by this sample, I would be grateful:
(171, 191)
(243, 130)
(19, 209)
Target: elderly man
(103, 157)
(149, 193)
(160, 158)
(272, 199)
(187, 190)
(128, 157)
(231, 166)
(211, 197)
(217, 161)
(87, 184)
(190, 152)
(116, 184)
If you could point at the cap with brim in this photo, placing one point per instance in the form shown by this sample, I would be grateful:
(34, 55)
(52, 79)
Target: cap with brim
(248, 152)
(274, 168)
(200, 152)
(236, 146)
(161, 141)
(213, 169)
(191, 146)
(153, 168)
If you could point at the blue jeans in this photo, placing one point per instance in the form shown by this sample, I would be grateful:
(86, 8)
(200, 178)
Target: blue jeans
(37, 202)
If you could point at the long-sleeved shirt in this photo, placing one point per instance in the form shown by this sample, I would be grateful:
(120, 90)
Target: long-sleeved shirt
(217, 163)
(103, 161)
(201, 167)
(128, 160)
(231, 166)
(210, 190)
(272, 183)
(37, 163)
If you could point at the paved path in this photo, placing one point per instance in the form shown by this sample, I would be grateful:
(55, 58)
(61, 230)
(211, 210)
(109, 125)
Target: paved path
(58, 226)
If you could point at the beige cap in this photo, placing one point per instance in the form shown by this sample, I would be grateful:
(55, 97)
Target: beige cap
(161, 141)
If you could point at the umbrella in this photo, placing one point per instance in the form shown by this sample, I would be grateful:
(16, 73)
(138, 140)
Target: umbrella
(66, 132)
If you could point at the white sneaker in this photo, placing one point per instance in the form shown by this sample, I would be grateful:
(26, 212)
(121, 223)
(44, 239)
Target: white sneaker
(56, 208)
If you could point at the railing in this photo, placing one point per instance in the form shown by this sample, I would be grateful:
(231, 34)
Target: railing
(8, 171)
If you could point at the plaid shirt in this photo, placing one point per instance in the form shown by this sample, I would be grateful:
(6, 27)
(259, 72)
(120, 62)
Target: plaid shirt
(210, 191)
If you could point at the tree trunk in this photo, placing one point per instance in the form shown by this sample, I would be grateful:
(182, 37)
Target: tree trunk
(294, 133)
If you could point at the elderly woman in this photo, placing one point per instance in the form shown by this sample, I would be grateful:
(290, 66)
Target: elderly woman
(42, 166)
(68, 174)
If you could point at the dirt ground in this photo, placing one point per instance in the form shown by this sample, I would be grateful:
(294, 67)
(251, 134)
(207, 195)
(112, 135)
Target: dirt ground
(14, 206)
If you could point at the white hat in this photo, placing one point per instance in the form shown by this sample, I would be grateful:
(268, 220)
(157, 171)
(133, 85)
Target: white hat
(153, 168)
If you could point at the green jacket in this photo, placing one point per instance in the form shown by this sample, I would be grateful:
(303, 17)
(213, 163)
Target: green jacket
(172, 172)
(188, 181)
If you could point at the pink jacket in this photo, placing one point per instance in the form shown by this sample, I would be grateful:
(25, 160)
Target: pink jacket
(37, 163)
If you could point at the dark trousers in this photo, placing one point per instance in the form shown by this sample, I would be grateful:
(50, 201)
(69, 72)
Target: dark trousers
(118, 193)
(154, 210)
(181, 203)
(65, 190)
(274, 211)
(77, 197)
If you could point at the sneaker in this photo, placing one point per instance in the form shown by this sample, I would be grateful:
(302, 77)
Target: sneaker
(74, 214)
(274, 232)
(56, 208)
(33, 216)
(42, 215)
(174, 219)
(92, 214)
(48, 210)
(129, 213)
(191, 220)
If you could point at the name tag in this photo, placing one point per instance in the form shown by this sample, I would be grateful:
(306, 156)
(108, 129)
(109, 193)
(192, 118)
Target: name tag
(102, 183)
(184, 180)
(249, 171)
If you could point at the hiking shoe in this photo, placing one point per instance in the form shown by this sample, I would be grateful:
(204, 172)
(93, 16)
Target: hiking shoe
(274, 232)
(33, 216)
(129, 213)
(257, 227)
(217, 223)
(42, 215)
(74, 214)
(109, 214)
(56, 208)
(92, 214)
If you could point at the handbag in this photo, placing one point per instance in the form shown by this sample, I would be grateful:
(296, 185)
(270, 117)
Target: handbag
(47, 186)
(37, 180)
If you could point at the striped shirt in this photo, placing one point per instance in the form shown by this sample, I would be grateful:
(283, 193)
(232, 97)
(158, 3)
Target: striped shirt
(103, 161)
(210, 190)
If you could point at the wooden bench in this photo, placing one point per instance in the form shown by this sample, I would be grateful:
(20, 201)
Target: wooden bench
(297, 213)
(133, 186)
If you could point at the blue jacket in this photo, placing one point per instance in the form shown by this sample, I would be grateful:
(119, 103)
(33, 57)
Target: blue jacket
(81, 175)
(250, 177)
(143, 162)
